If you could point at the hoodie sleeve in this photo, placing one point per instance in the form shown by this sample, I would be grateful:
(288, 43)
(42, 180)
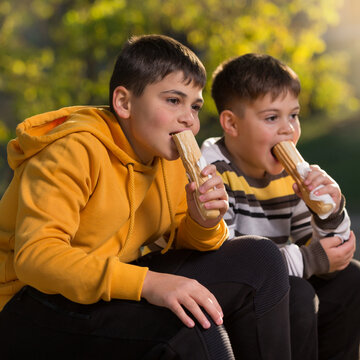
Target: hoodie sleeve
(193, 236)
(55, 187)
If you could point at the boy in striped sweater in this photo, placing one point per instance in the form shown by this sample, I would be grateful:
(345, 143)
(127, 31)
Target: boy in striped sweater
(257, 100)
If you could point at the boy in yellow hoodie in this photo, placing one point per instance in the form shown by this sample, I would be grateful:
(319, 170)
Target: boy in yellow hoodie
(91, 187)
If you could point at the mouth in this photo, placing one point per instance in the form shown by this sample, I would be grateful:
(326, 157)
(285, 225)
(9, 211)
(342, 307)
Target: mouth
(273, 154)
(172, 134)
(175, 132)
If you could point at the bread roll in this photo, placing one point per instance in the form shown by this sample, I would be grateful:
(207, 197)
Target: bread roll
(290, 158)
(190, 154)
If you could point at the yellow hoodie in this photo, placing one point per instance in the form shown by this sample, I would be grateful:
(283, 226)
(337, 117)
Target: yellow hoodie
(81, 205)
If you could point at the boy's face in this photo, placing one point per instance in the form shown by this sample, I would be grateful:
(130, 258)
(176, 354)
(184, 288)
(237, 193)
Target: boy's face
(262, 124)
(164, 108)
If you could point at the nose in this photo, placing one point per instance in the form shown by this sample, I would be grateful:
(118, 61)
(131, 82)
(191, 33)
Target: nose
(287, 127)
(187, 118)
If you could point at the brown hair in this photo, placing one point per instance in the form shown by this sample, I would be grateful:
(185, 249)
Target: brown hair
(149, 58)
(250, 76)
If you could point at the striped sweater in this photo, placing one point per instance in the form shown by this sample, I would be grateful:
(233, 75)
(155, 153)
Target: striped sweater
(269, 207)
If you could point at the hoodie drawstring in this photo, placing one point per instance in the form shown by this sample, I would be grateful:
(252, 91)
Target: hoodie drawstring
(172, 227)
(131, 191)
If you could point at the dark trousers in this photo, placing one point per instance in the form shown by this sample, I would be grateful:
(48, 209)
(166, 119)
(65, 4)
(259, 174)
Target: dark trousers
(303, 320)
(325, 315)
(339, 313)
(248, 277)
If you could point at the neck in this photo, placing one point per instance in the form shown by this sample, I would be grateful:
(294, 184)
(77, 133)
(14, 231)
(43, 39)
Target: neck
(124, 124)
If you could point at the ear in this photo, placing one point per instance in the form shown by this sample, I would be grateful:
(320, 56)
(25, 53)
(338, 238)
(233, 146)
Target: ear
(228, 121)
(121, 102)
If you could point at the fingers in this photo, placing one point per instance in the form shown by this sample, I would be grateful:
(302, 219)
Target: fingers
(350, 244)
(214, 180)
(318, 177)
(178, 310)
(336, 243)
(339, 254)
(194, 304)
(352, 239)
(213, 183)
(345, 258)
(297, 190)
(215, 199)
(209, 170)
(202, 301)
(185, 297)
(213, 193)
(213, 308)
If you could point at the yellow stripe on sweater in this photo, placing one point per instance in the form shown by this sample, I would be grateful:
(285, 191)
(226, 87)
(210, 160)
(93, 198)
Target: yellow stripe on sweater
(276, 188)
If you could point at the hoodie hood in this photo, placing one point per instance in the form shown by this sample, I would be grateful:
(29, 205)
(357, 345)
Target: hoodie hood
(36, 132)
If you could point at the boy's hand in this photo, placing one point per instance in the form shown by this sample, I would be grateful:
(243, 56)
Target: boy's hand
(213, 195)
(339, 254)
(177, 292)
(318, 177)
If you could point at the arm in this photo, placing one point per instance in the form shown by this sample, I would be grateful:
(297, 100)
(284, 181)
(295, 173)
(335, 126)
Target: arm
(178, 293)
(199, 234)
(323, 254)
(56, 188)
(338, 221)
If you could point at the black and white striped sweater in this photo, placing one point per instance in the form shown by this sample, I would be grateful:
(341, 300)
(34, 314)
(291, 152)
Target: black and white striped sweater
(269, 207)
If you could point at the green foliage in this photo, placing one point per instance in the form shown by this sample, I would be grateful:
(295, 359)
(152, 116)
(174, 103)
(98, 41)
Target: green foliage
(61, 52)
(337, 152)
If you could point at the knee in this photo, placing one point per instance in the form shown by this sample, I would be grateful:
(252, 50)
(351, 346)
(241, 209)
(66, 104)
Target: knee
(266, 263)
(262, 248)
(268, 256)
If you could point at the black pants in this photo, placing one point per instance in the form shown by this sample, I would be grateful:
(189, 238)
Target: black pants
(248, 277)
(303, 320)
(339, 313)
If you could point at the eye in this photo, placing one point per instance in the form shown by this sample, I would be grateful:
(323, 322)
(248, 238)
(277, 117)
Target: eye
(294, 116)
(271, 118)
(173, 100)
(196, 107)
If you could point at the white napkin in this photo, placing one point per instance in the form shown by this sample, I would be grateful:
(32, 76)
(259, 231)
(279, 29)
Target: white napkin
(201, 162)
(303, 169)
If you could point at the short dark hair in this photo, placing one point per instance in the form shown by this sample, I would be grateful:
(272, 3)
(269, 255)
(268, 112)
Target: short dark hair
(148, 59)
(249, 77)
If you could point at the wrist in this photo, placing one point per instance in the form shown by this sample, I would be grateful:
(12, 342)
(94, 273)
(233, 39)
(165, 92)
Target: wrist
(315, 259)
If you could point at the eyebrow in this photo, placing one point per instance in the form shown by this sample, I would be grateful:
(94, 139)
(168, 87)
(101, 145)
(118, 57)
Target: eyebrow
(274, 109)
(180, 93)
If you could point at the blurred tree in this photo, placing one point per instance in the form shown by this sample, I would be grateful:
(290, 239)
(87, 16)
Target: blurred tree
(61, 52)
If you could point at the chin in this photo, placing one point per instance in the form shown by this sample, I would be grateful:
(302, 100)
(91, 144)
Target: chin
(275, 167)
(171, 157)
(276, 171)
